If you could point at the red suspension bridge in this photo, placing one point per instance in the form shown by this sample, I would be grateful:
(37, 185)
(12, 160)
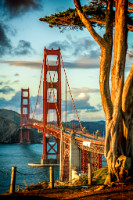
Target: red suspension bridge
(72, 147)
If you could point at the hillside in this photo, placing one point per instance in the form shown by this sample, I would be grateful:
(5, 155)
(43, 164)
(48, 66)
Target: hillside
(9, 131)
(90, 126)
(11, 115)
(10, 128)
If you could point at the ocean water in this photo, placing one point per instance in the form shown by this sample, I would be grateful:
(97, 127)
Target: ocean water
(19, 155)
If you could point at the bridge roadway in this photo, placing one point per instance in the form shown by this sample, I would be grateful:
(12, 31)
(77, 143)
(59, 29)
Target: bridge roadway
(86, 141)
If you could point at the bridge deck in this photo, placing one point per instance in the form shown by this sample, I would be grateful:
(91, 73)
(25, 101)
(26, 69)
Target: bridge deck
(86, 141)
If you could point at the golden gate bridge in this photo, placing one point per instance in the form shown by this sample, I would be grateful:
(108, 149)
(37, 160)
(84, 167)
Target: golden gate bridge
(71, 146)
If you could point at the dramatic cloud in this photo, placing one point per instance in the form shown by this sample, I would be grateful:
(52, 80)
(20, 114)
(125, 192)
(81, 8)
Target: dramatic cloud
(82, 103)
(6, 90)
(78, 46)
(84, 48)
(81, 100)
(23, 48)
(17, 7)
(5, 43)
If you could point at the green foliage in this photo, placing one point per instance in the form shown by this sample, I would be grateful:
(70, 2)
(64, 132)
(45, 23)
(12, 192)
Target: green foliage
(70, 18)
(99, 176)
(95, 13)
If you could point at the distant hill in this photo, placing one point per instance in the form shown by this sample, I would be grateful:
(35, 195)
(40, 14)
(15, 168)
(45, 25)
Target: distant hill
(11, 115)
(10, 128)
(94, 126)
(91, 127)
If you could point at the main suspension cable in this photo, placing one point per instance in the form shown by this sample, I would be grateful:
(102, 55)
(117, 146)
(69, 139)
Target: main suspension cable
(38, 91)
(71, 94)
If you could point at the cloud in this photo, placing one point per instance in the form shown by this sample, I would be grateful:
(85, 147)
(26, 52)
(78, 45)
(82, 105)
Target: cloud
(87, 62)
(81, 99)
(18, 7)
(6, 90)
(2, 76)
(77, 46)
(33, 64)
(85, 90)
(82, 64)
(59, 44)
(16, 74)
(82, 45)
(13, 103)
(1, 83)
(23, 48)
(82, 103)
(5, 43)
(84, 49)
(16, 81)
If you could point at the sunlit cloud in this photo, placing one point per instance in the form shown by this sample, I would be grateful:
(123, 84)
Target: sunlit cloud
(85, 90)
(30, 64)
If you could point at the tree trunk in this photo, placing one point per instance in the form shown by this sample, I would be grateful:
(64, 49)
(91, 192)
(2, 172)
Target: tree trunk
(116, 142)
(116, 104)
(127, 104)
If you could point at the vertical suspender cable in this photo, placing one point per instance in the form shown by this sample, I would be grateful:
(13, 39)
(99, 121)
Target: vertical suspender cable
(66, 103)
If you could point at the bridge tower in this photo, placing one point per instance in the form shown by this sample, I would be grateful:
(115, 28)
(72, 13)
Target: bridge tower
(24, 117)
(51, 105)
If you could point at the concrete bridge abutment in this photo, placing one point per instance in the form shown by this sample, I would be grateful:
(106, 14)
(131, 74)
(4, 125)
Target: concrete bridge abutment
(70, 156)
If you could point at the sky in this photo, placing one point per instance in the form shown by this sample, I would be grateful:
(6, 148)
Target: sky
(22, 41)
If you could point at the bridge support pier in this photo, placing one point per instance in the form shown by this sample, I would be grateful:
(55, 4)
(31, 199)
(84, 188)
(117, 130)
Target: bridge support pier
(44, 155)
(70, 156)
(75, 156)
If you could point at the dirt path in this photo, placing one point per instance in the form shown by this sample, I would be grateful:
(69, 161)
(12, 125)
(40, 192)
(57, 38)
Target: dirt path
(121, 191)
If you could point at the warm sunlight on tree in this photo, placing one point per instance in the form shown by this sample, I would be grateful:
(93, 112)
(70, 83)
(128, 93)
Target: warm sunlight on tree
(118, 101)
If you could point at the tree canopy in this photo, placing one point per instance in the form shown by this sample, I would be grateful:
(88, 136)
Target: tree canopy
(95, 12)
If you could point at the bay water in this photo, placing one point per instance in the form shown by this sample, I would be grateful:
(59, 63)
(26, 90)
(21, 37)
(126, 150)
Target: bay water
(20, 155)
